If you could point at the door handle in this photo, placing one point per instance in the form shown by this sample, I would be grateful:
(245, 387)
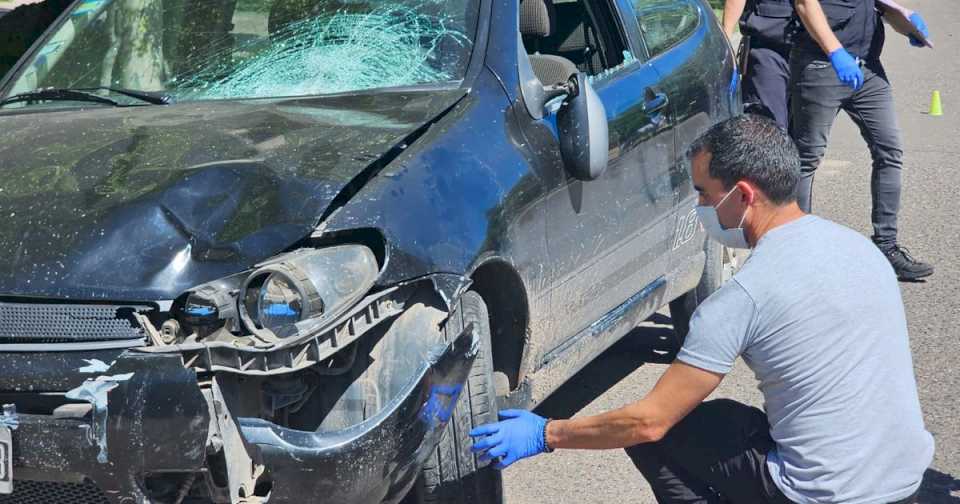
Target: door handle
(654, 102)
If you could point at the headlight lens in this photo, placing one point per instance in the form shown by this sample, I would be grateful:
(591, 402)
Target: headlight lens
(302, 285)
(279, 303)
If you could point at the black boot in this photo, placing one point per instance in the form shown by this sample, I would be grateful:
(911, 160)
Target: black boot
(906, 267)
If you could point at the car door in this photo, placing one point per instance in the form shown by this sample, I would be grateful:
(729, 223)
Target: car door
(607, 238)
(692, 57)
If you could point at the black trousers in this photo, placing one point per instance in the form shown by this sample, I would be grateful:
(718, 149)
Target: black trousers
(766, 84)
(817, 95)
(716, 454)
(720, 448)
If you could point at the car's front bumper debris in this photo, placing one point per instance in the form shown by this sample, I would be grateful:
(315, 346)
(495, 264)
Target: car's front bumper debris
(135, 421)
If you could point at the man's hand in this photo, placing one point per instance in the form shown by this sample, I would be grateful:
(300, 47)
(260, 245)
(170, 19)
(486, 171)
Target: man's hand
(519, 434)
(847, 68)
(921, 27)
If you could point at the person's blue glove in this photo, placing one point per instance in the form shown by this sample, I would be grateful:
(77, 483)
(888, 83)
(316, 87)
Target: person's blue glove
(847, 68)
(921, 27)
(519, 434)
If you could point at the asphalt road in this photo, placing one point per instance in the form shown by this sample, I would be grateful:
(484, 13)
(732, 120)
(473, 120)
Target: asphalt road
(929, 227)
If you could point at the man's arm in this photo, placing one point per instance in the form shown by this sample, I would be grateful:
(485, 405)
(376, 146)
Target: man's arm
(916, 23)
(887, 4)
(814, 19)
(726, 315)
(732, 10)
(811, 14)
(681, 388)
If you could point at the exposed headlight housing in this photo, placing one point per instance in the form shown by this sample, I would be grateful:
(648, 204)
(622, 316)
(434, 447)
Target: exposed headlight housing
(303, 285)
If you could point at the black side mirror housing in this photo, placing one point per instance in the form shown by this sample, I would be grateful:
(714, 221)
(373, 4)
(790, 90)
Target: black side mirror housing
(584, 135)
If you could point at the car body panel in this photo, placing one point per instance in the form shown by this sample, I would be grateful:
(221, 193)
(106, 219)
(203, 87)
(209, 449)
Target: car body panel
(122, 434)
(177, 196)
(700, 76)
(607, 238)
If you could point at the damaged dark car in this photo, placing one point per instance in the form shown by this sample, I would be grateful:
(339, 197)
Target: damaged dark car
(293, 250)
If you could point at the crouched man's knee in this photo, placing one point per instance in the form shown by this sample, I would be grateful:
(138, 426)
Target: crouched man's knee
(718, 421)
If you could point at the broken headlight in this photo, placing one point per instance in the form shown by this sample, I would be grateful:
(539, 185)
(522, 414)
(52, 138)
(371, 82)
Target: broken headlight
(285, 296)
(303, 285)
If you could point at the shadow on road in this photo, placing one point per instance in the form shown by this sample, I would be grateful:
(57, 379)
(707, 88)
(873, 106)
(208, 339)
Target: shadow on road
(649, 342)
(939, 488)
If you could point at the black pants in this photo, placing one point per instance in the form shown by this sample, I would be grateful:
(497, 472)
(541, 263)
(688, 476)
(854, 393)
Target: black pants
(720, 448)
(716, 454)
(817, 95)
(767, 83)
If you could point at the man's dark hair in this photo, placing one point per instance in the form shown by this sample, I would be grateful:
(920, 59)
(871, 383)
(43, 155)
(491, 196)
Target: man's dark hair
(755, 149)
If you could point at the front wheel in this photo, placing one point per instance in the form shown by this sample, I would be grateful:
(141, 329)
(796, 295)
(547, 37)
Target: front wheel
(453, 474)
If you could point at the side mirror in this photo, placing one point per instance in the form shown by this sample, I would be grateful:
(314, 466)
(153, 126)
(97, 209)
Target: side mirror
(584, 137)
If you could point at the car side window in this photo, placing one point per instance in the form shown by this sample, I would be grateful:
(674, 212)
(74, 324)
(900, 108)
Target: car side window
(665, 23)
(563, 37)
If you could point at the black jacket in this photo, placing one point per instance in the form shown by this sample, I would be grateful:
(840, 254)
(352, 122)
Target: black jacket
(856, 24)
(769, 23)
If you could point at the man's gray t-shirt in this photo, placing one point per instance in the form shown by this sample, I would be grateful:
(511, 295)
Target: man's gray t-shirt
(816, 313)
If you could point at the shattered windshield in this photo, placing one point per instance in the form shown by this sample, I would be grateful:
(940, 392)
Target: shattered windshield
(222, 49)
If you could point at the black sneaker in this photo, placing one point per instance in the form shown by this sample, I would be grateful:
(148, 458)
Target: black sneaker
(905, 266)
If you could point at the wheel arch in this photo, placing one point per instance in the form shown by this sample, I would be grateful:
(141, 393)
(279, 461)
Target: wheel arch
(503, 291)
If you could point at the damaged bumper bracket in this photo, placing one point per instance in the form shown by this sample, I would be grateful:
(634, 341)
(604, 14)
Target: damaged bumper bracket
(157, 419)
(378, 459)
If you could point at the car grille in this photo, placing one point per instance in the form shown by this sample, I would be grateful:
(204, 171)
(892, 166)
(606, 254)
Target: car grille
(67, 323)
(53, 492)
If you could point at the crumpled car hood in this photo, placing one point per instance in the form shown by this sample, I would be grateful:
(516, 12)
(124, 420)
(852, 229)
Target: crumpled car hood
(143, 203)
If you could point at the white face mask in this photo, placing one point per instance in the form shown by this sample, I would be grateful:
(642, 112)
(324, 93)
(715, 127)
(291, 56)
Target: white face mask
(732, 237)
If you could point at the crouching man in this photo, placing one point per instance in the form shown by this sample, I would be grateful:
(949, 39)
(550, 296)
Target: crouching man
(815, 312)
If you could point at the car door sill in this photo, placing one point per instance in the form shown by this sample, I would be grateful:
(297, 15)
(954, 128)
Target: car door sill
(605, 323)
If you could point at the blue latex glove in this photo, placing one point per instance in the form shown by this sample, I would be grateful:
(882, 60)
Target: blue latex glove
(519, 434)
(848, 71)
(921, 27)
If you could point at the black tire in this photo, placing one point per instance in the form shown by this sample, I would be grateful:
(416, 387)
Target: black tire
(452, 474)
(682, 308)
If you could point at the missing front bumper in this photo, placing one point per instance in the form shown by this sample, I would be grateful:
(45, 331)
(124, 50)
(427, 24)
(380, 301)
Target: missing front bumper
(160, 421)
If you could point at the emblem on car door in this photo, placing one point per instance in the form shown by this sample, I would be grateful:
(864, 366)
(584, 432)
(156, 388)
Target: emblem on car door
(686, 229)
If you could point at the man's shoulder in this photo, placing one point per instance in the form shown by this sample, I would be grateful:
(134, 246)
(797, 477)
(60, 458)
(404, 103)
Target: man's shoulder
(809, 246)
(844, 243)
(809, 232)
(816, 254)
(732, 295)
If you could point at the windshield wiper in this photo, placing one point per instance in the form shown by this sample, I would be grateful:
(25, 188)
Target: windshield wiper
(57, 95)
(84, 94)
(151, 97)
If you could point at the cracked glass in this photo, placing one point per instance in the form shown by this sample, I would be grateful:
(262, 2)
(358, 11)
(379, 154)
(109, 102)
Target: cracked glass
(234, 49)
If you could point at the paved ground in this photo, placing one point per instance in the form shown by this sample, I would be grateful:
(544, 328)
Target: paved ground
(930, 227)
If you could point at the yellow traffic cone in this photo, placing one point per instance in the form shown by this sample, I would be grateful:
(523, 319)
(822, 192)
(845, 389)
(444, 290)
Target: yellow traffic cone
(936, 108)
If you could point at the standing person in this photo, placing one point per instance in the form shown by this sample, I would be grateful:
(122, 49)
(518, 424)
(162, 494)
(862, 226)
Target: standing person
(766, 79)
(835, 64)
(815, 312)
